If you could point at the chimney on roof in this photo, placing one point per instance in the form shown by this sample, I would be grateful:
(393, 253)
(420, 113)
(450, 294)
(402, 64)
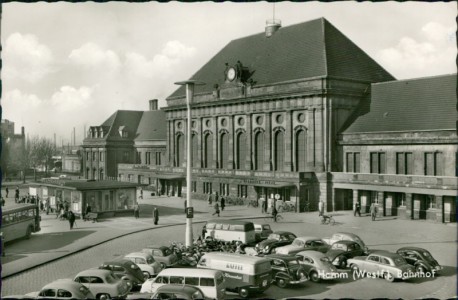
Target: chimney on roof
(22, 131)
(272, 26)
(153, 104)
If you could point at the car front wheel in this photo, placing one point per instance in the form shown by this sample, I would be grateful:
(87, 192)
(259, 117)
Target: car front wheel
(389, 277)
(314, 277)
(244, 293)
(104, 297)
(146, 275)
(343, 263)
(281, 282)
(420, 269)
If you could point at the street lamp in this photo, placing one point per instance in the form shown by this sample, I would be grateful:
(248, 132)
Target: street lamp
(189, 210)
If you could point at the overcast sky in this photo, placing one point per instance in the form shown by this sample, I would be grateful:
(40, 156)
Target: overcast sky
(69, 65)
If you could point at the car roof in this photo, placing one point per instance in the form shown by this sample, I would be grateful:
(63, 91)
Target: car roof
(345, 242)
(60, 282)
(282, 232)
(281, 256)
(177, 288)
(156, 247)
(413, 249)
(137, 254)
(385, 253)
(188, 272)
(94, 272)
(234, 257)
(347, 233)
(312, 253)
(118, 262)
(307, 238)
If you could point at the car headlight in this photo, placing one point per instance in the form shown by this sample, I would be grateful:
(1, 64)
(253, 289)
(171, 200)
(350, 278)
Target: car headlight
(266, 247)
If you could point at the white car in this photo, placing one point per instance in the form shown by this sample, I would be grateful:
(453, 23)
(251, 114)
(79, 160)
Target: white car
(346, 236)
(303, 243)
(146, 263)
(60, 289)
(103, 284)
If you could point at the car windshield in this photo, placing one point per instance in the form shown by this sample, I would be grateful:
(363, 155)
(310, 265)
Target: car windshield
(298, 243)
(150, 260)
(398, 261)
(339, 246)
(266, 227)
(274, 236)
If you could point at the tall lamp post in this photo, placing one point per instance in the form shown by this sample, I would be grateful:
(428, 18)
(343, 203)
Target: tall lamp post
(189, 209)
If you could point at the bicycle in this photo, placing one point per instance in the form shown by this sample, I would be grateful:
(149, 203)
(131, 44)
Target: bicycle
(287, 207)
(253, 203)
(325, 219)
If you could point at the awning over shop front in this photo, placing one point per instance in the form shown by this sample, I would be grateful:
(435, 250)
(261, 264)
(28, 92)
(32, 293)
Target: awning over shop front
(276, 185)
(170, 176)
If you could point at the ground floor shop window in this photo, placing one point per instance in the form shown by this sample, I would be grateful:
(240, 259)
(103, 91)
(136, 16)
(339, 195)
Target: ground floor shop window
(242, 191)
(224, 189)
(207, 187)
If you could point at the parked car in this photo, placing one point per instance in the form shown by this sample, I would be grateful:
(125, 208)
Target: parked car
(172, 291)
(346, 236)
(274, 240)
(162, 255)
(262, 231)
(59, 289)
(381, 263)
(125, 269)
(103, 284)
(318, 266)
(341, 251)
(286, 269)
(145, 262)
(420, 258)
(303, 243)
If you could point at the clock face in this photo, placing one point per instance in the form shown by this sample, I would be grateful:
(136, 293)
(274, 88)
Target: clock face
(231, 74)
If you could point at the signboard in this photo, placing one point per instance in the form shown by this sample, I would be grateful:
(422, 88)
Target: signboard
(277, 196)
(189, 212)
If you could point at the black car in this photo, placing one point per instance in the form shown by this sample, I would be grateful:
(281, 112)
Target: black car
(341, 251)
(420, 258)
(286, 269)
(125, 269)
(274, 240)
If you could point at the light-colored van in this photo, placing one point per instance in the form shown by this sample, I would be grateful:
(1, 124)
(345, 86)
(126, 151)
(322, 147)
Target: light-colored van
(145, 262)
(231, 230)
(245, 275)
(210, 282)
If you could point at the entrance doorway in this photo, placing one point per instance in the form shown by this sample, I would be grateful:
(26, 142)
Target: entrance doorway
(418, 207)
(392, 201)
(343, 199)
(449, 209)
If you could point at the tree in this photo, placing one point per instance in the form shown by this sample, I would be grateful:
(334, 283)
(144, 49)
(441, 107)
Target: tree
(39, 152)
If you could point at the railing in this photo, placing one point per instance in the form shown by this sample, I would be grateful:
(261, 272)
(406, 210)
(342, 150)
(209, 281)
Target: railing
(399, 180)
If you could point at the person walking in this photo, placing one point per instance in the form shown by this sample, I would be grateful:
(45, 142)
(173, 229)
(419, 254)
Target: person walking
(204, 231)
(155, 215)
(71, 219)
(7, 191)
(209, 199)
(373, 210)
(320, 208)
(274, 213)
(263, 201)
(16, 196)
(216, 209)
(357, 209)
(136, 211)
(223, 203)
(88, 210)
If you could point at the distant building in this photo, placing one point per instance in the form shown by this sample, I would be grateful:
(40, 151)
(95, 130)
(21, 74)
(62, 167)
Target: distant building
(126, 137)
(72, 159)
(13, 149)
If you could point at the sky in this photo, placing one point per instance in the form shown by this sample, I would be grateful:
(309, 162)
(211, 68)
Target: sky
(68, 66)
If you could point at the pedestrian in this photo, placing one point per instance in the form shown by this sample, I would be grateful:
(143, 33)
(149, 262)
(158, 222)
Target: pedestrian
(373, 210)
(204, 231)
(357, 209)
(3, 201)
(262, 200)
(216, 197)
(71, 219)
(16, 196)
(320, 208)
(7, 191)
(155, 215)
(274, 213)
(209, 199)
(264, 205)
(216, 206)
(136, 211)
(88, 210)
(223, 203)
(141, 193)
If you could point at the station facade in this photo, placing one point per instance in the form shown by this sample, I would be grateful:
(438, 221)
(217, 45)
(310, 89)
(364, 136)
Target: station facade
(305, 114)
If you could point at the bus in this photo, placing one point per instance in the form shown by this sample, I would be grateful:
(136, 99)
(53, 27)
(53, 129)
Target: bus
(19, 220)
(231, 230)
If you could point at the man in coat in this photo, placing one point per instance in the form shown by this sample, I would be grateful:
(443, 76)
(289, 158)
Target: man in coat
(155, 215)
(71, 219)
(373, 211)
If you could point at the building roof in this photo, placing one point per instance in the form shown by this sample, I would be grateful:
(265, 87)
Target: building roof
(413, 104)
(124, 119)
(87, 184)
(152, 126)
(311, 49)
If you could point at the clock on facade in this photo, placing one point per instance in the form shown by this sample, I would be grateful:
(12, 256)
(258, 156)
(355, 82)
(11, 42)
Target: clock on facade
(231, 74)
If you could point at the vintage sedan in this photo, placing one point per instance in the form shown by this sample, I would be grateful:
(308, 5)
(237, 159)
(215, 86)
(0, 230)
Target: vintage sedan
(303, 243)
(420, 258)
(346, 236)
(274, 240)
(146, 263)
(318, 266)
(172, 291)
(125, 269)
(103, 284)
(61, 289)
(286, 270)
(162, 255)
(262, 231)
(341, 251)
(383, 264)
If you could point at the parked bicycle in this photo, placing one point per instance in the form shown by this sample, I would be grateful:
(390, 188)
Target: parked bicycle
(327, 219)
(287, 207)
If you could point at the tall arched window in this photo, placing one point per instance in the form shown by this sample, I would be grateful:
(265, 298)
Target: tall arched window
(94, 173)
(180, 150)
(224, 151)
(88, 173)
(194, 150)
(241, 151)
(279, 154)
(208, 150)
(259, 150)
(301, 150)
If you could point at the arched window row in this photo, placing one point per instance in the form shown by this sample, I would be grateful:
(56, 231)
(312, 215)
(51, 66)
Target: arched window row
(278, 128)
